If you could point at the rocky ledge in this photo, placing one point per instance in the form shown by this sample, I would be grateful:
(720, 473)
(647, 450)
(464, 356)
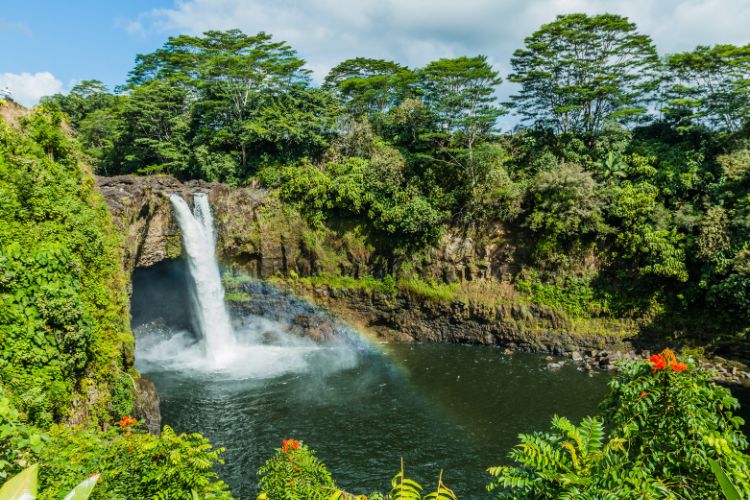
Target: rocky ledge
(405, 318)
(254, 231)
(725, 371)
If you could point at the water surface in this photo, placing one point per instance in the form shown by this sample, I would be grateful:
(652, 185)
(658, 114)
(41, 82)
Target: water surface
(454, 407)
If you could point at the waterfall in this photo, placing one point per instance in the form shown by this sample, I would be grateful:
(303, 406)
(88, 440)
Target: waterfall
(211, 316)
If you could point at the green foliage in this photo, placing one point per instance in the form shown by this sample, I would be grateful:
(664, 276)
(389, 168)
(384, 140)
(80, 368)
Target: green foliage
(562, 463)
(709, 85)
(580, 71)
(131, 464)
(19, 443)
(576, 296)
(337, 281)
(428, 289)
(674, 422)
(729, 490)
(564, 205)
(359, 188)
(25, 486)
(295, 473)
(666, 425)
(370, 86)
(63, 299)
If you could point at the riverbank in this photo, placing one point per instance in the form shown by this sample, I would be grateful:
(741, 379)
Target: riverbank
(400, 317)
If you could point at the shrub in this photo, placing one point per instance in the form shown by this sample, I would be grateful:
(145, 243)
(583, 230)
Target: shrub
(132, 464)
(668, 422)
(295, 472)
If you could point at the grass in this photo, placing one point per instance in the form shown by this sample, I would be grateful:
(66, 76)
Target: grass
(429, 289)
(338, 282)
(237, 297)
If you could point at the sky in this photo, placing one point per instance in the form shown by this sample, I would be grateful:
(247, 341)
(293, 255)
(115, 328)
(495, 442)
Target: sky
(48, 46)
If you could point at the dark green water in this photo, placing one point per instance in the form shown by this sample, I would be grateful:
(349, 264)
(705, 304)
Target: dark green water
(439, 406)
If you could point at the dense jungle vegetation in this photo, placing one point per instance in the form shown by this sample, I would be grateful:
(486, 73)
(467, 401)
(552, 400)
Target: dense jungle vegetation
(635, 160)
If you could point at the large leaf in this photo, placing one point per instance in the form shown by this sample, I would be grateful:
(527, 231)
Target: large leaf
(23, 486)
(730, 492)
(83, 490)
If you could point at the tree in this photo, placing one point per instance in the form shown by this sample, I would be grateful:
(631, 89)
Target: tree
(711, 86)
(83, 99)
(235, 80)
(370, 86)
(460, 93)
(579, 71)
(155, 126)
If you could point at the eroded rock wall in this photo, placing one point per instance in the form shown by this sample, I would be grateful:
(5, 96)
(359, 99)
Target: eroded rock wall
(254, 231)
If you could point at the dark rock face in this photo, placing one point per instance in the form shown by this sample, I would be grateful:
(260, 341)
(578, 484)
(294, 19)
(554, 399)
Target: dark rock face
(401, 317)
(253, 230)
(146, 406)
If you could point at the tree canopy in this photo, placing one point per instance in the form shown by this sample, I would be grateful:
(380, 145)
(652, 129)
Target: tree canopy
(579, 71)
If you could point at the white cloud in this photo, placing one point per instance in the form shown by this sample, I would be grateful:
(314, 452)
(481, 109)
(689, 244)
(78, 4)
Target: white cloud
(414, 32)
(15, 28)
(28, 88)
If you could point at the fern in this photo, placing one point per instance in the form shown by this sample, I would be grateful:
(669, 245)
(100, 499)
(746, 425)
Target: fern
(404, 488)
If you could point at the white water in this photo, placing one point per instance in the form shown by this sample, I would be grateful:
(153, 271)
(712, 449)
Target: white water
(259, 348)
(264, 350)
(211, 316)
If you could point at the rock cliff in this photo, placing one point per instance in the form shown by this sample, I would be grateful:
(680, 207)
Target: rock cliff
(254, 230)
(264, 238)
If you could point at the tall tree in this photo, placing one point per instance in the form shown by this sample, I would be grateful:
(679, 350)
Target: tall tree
(460, 93)
(233, 76)
(579, 71)
(710, 85)
(154, 129)
(370, 86)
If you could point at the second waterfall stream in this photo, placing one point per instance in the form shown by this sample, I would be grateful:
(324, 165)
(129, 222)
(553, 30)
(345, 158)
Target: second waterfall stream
(211, 316)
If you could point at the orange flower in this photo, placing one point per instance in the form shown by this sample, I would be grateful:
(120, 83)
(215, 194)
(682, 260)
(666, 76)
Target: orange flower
(289, 444)
(127, 422)
(643, 394)
(657, 362)
(679, 367)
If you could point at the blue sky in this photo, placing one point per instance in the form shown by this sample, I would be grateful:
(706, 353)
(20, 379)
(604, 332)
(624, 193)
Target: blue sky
(46, 46)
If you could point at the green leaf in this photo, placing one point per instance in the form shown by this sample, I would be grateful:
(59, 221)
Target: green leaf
(730, 492)
(22, 486)
(83, 490)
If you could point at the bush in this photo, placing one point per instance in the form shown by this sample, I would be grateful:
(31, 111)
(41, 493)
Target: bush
(295, 472)
(132, 464)
(667, 422)
(63, 298)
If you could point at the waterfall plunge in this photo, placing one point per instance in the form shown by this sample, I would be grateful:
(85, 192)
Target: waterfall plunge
(211, 316)
(260, 348)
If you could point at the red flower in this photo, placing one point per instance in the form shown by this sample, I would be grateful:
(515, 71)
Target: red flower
(679, 367)
(289, 444)
(658, 362)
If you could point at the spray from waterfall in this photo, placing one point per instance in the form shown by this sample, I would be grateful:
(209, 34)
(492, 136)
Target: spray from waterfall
(211, 316)
(260, 346)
